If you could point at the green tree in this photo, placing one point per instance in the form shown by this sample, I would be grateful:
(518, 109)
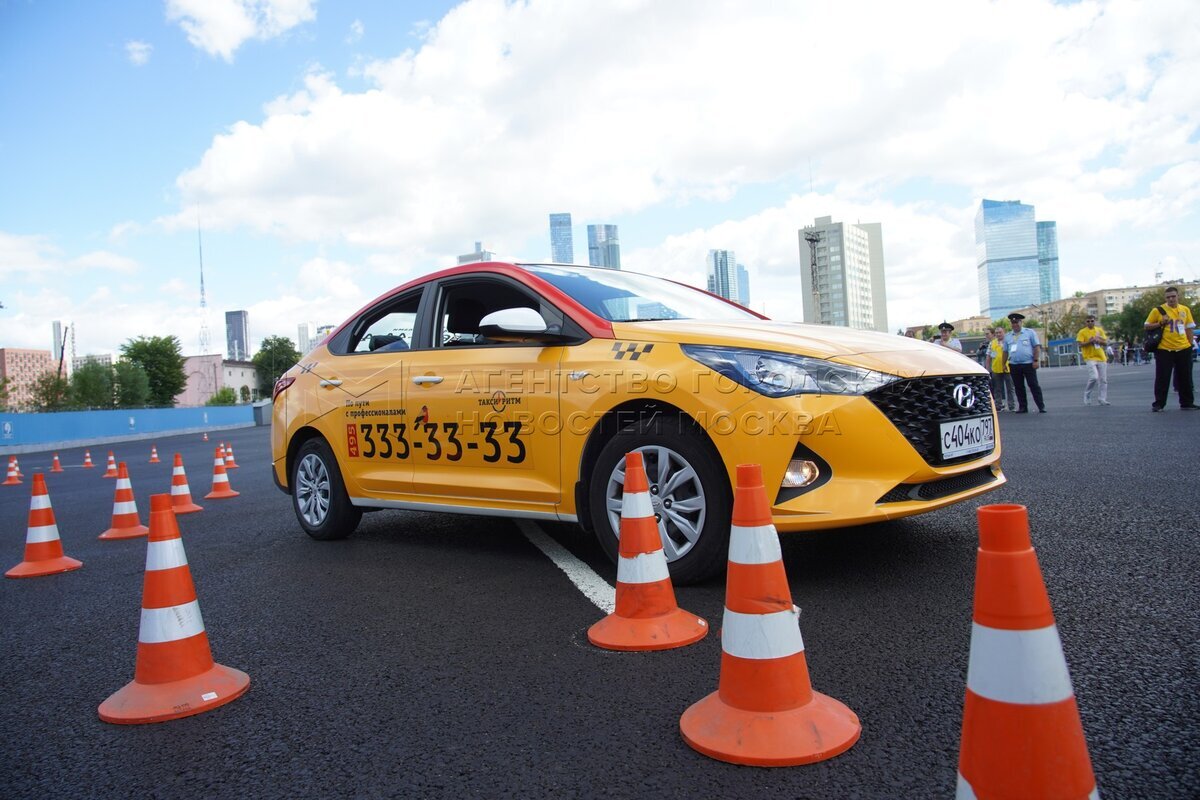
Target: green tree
(1130, 325)
(50, 392)
(3, 390)
(225, 396)
(1069, 323)
(162, 359)
(92, 386)
(276, 356)
(244, 394)
(132, 384)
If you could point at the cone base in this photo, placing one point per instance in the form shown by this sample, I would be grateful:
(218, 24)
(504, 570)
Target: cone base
(89, 466)
(109, 475)
(11, 482)
(221, 495)
(675, 629)
(154, 461)
(190, 508)
(57, 470)
(52, 566)
(124, 533)
(140, 703)
(814, 732)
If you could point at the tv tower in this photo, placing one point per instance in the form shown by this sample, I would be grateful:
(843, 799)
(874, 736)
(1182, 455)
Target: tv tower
(205, 341)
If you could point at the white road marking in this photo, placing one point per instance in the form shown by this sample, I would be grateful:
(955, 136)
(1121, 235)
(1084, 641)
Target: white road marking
(594, 587)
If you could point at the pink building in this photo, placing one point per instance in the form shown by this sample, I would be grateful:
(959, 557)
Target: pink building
(22, 368)
(207, 374)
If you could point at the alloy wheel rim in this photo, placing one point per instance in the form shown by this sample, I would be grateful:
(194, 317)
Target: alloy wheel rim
(312, 490)
(676, 496)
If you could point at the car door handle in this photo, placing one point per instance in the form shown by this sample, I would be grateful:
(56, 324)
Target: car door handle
(421, 380)
(330, 384)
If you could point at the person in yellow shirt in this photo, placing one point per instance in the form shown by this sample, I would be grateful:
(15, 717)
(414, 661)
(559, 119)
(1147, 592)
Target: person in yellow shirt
(1174, 353)
(1093, 344)
(1003, 391)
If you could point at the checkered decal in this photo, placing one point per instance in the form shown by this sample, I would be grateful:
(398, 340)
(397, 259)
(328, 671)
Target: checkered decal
(631, 349)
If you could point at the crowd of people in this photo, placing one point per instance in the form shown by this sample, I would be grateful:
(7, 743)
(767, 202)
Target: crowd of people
(1012, 357)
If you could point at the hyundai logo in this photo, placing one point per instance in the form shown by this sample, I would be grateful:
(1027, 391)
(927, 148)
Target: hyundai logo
(964, 395)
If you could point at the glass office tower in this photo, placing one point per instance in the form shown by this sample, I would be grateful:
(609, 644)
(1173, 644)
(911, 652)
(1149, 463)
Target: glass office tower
(722, 274)
(562, 243)
(604, 246)
(1006, 252)
(1047, 240)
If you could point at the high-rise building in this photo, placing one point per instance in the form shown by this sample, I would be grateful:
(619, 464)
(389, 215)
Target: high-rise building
(21, 369)
(723, 274)
(842, 274)
(479, 255)
(562, 243)
(1047, 238)
(743, 284)
(1016, 257)
(237, 335)
(306, 333)
(604, 246)
(58, 353)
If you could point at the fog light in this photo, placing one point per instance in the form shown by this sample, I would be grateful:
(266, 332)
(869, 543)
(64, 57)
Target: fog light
(800, 474)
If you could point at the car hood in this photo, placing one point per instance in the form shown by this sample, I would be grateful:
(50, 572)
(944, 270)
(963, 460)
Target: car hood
(895, 355)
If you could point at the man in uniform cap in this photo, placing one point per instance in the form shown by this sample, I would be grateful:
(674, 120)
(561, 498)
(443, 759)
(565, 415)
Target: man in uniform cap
(1022, 353)
(945, 340)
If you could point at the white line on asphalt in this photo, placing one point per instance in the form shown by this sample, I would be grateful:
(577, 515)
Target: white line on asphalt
(594, 587)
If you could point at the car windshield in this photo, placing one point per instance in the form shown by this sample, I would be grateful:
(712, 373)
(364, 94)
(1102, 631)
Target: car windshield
(629, 297)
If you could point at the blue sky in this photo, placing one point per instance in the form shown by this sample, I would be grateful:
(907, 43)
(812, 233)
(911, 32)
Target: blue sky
(332, 150)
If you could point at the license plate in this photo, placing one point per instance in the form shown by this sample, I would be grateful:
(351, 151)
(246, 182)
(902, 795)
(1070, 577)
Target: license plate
(965, 436)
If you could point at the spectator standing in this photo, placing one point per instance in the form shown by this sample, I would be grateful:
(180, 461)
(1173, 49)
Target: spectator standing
(1174, 353)
(945, 339)
(1001, 380)
(1093, 345)
(1022, 354)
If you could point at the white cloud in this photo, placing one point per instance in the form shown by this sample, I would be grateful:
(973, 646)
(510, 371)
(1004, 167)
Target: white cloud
(220, 27)
(356, 32)
(38, 259)
(508, 111)
(138, 52)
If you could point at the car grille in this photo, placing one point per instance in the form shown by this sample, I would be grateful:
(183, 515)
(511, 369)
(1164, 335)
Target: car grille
(918, 406)
(944, 487)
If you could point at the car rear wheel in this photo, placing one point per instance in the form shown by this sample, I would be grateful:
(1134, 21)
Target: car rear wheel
(319, 495)
(689, 492)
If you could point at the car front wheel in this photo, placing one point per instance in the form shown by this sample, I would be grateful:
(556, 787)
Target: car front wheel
(319, 495)
(689, 493)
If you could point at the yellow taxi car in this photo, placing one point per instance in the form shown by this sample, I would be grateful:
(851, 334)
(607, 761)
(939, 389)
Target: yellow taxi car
(516, 390)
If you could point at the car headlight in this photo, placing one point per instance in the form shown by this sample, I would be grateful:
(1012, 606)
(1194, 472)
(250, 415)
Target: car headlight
(783, 374)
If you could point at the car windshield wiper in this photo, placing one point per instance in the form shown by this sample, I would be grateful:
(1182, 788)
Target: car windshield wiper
(648, 319)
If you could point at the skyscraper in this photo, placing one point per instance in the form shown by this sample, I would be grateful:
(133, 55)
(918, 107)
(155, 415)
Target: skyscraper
(842, 274)
(562, 243)
(479, 255)
(743, 284)
(237, 335)
(604, 246)
(1016, 257)
(1047, 238)
(723, 274)
(306, 337)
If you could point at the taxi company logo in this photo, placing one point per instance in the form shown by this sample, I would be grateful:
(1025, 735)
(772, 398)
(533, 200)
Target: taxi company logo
(964, 395)
(499, 401)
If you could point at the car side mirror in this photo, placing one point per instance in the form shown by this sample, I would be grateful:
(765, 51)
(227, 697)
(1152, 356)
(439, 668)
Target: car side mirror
(516, 324)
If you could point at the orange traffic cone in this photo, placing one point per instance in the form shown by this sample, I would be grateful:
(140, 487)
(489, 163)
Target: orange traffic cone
(646, 615)
(111, 470)
(206, 436)
(220, 480)
(181, 493)
(56, 467)
(17, 465)
(43, 548)
(87, 460)
(154, 454)
(13, 478)
(229, 462)
(175, 675)
(765, 712)
(1021, 735)
(125, 522)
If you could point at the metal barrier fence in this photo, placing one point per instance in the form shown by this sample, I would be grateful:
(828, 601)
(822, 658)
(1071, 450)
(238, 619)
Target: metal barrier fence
(23, 433)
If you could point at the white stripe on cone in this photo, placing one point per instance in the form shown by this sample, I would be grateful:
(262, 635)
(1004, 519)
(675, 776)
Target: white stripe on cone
(762, 636)
(754, 545)
(165, 554)
(39, 502)
(643, 568)
(182, 489)
(170, 624)
(125, 507)
(636, 505)
(1023, 667)
(42, 533)
(964, 791)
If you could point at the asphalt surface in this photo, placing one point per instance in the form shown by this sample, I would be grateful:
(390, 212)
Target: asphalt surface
(445, 656)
